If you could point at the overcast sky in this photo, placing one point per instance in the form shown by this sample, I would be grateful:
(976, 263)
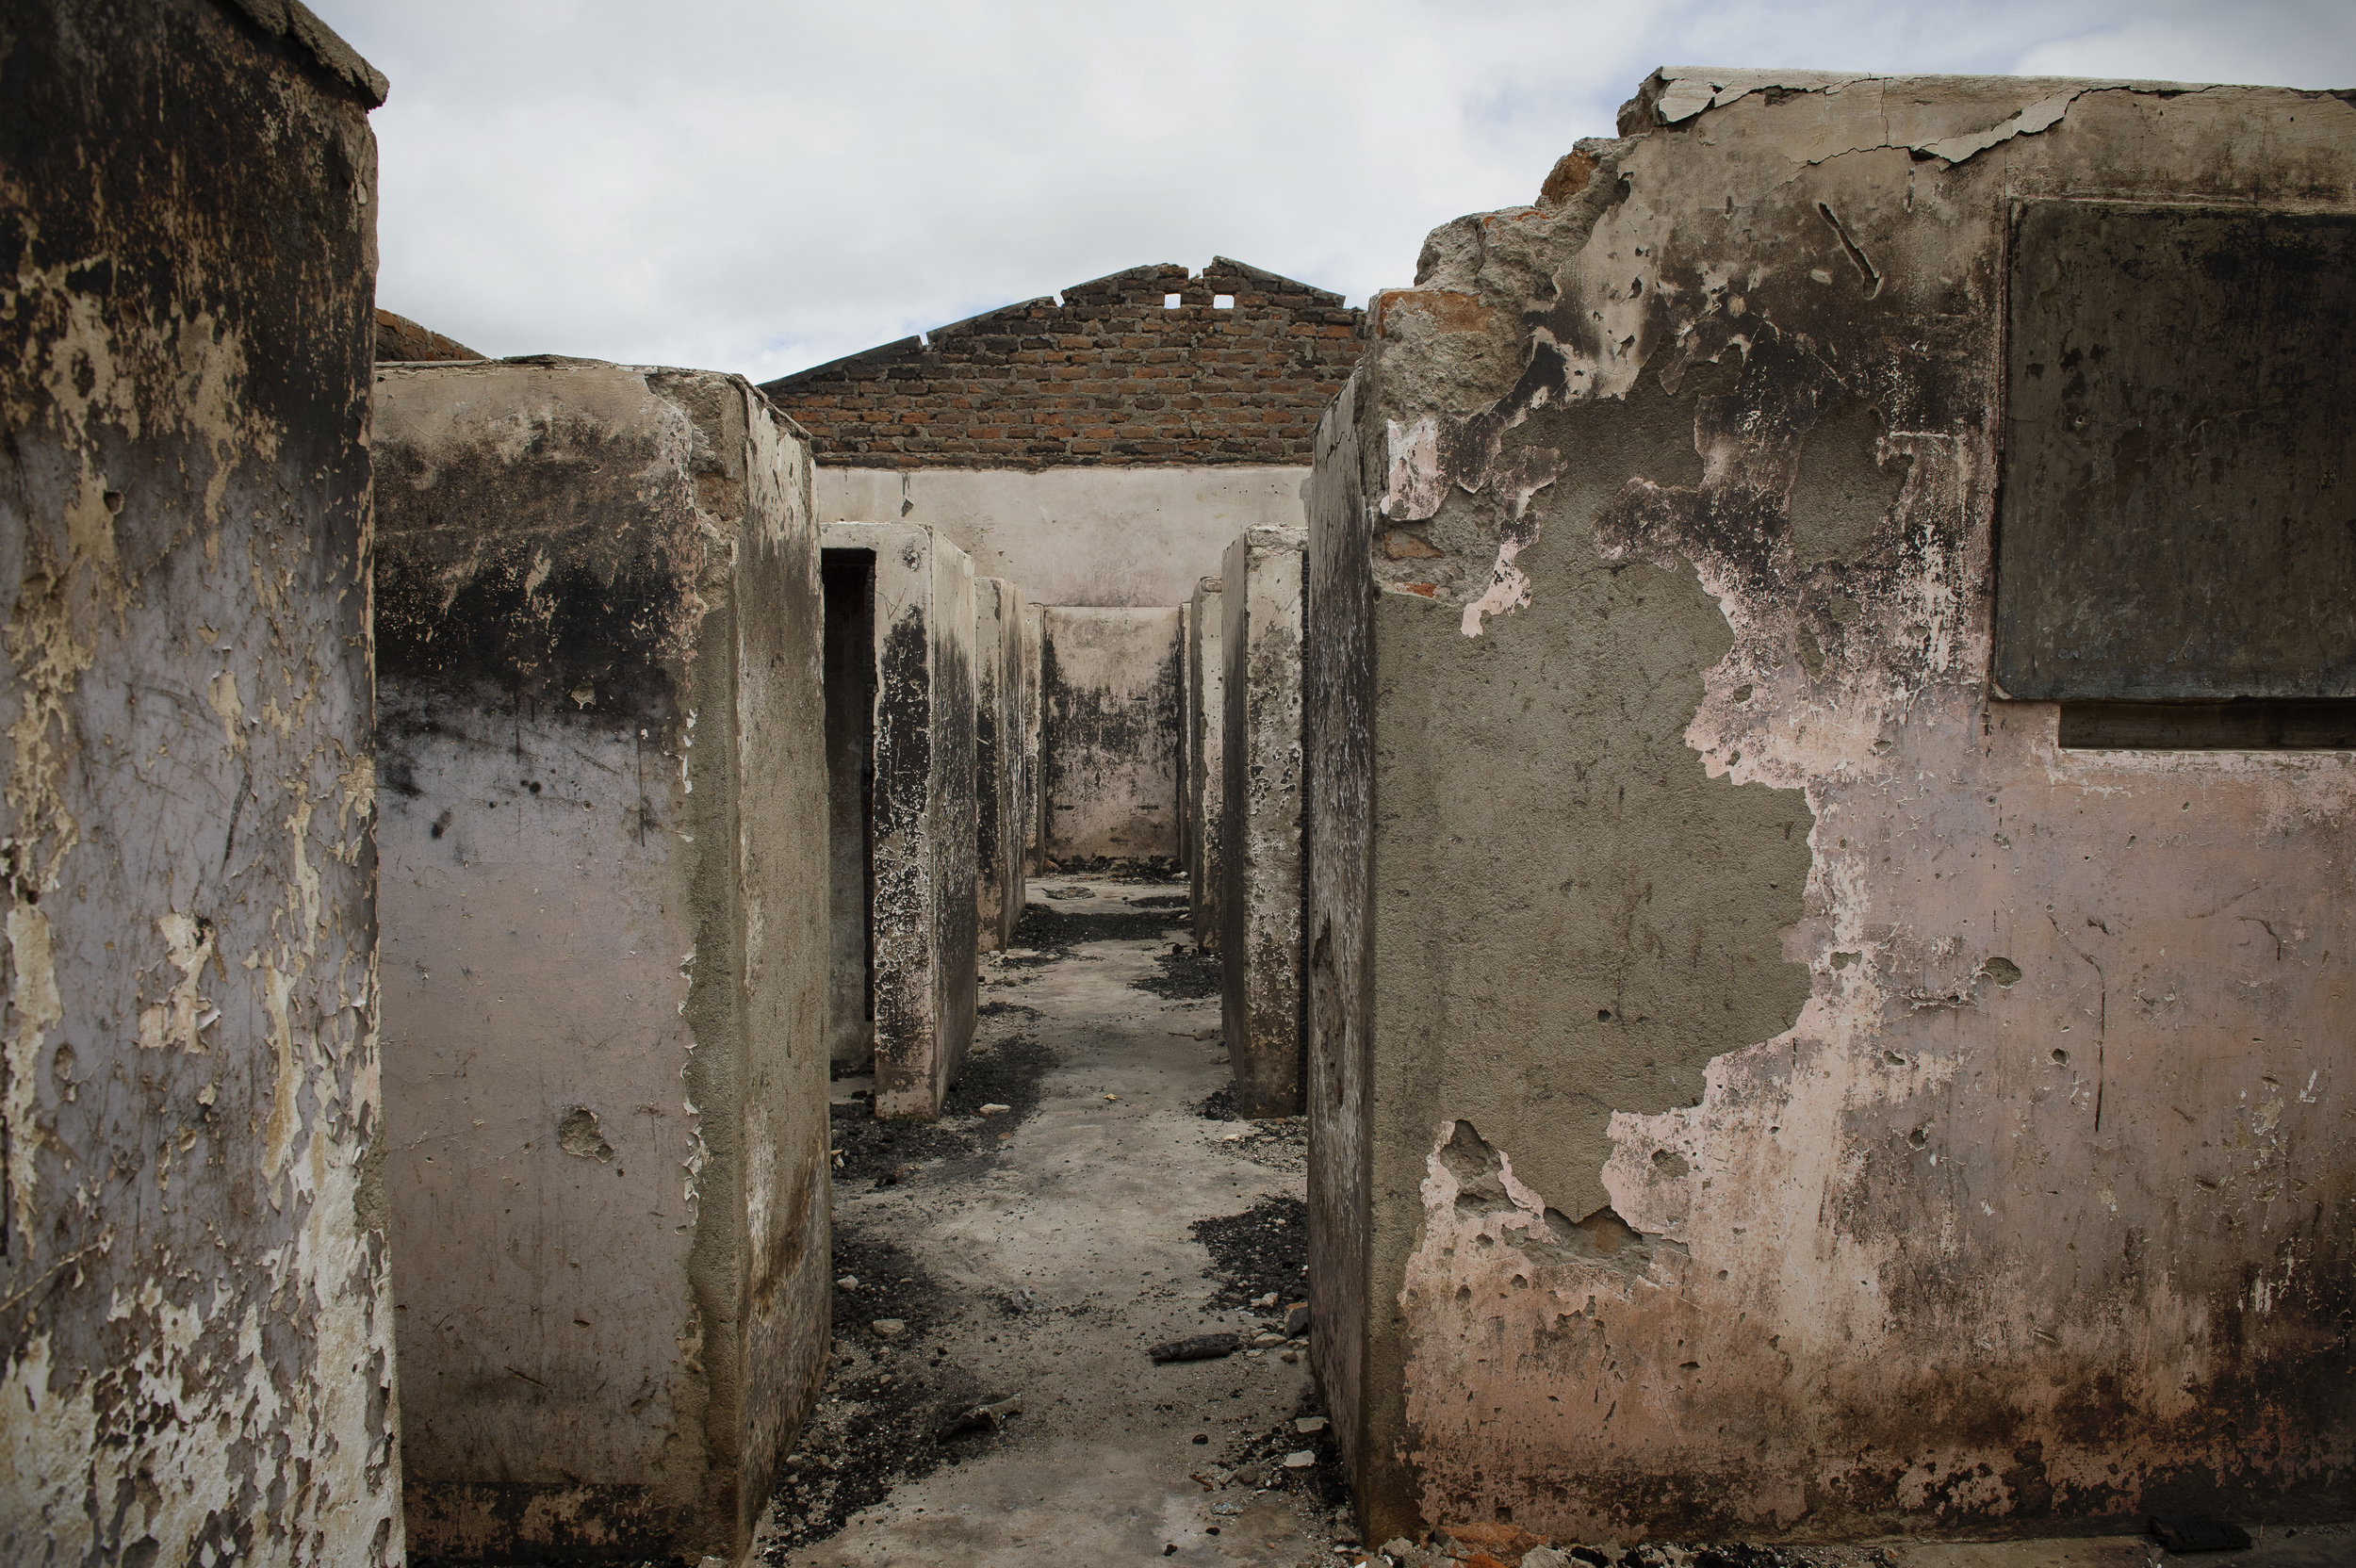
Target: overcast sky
(758, 186)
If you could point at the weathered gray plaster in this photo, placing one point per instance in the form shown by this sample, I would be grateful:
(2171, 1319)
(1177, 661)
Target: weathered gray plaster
(1080, 536)
(1110, 706)
(604, 907)
(194, 1298)
(998, 761)
(1206, 777)
(1950, 1115)
(1034, 650)
(922, 810)
(1260, 848)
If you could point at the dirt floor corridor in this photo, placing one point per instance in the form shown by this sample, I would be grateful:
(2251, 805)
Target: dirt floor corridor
(1003, 1273)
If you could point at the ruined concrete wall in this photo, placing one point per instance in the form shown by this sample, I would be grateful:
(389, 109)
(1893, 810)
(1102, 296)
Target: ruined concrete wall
(1146, 366)
(604, 844)
(921, 811)
(1034, 650)
(998, 761)
(193, 1290)
(1110, 704)
(1260, 845)
(1134, 536)
(1205, 778)
(1838, 1106)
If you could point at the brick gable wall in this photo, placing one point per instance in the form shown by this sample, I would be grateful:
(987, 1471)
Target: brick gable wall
(1110, 376)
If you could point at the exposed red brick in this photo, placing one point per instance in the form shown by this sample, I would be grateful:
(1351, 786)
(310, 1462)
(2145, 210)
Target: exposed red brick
(994, 391)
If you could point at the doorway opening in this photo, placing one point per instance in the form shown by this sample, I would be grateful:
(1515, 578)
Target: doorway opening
(848, 580)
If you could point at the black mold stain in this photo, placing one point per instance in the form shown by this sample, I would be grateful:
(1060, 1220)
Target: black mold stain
(603, 635)
(616, 1523)
(904, 730)
(900, 802)
(1262, 1250)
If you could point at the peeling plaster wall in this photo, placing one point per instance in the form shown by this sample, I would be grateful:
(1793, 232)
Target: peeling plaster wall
(998, 761)
(193, 1289)
(921, 811)
(604, 903)
(1835, 1107)
(1260, 785)
(1111, 703)
(1082, 536)
(1206, 779)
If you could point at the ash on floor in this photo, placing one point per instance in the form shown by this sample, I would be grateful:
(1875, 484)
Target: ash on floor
(1002, 1069)
(1185, 971)
(1048, 932)
(1302, 1456)
(1257, 1254)
(1217, 1106)
(1102, 870)
(883, 1397)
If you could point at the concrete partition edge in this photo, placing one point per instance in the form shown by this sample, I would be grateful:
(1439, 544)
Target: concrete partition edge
(1261, 819)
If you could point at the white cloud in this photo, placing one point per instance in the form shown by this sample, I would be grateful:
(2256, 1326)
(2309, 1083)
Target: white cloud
(2319, 51)
(758, 186)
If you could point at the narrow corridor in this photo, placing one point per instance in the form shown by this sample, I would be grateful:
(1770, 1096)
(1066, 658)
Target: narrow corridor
(1003, 1273)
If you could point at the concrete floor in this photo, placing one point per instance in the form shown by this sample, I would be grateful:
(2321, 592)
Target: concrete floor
(1035, 1252)
(1044, 1266)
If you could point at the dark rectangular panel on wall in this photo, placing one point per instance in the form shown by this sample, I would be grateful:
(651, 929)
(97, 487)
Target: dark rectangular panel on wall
(2326, 725)
(2178, 519)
